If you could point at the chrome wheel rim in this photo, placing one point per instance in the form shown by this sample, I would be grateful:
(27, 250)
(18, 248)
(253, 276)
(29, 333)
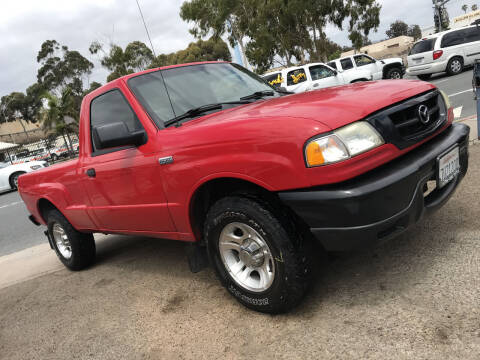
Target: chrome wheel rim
(247, 257)
(456, 66)
(395, 75)
(61, 240)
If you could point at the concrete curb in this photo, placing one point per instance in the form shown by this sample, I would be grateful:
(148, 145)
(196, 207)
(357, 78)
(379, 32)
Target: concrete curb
(471, 121)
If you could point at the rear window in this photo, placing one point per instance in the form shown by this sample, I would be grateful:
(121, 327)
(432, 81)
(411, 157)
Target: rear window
(423, 46)
(274, 80)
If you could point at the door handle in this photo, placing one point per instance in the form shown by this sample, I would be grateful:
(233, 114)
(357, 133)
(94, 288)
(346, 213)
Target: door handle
(91, 173)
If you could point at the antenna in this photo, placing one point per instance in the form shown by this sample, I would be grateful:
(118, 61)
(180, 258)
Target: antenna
(146, 29)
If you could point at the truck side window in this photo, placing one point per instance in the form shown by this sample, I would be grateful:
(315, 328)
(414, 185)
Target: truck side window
(109, 108)
(296, 76)
(318, 72)
(346, 63)
(362, 60)
(332, 64)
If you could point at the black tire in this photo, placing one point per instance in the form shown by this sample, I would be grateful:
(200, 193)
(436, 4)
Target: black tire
(424, 77)
(54, 157)
(291, 254)
(394, 73)
(14, 179)
(455, 66)
(82, 245)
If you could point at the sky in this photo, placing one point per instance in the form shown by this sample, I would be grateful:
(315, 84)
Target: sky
(25, 24)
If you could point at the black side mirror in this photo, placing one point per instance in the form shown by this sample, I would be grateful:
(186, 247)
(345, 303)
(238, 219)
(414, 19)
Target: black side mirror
(117, 134)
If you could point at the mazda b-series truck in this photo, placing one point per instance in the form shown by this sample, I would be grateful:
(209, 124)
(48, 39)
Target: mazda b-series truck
(210, 154)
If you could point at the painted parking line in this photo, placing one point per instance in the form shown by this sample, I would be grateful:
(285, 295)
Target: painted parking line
(461, 92)
(11, 204)
(457, 112)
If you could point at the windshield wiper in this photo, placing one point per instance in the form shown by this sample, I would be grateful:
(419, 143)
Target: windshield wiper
(258, 95)
(202, 109)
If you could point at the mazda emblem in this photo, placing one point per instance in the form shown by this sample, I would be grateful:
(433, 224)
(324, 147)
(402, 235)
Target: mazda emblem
(423, 114)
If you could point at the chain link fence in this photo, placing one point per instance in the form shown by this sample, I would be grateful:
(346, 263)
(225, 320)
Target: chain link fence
(34, 146)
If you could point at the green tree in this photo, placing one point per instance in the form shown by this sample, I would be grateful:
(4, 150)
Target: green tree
(289, 30)
(474, 7)
(415, 32)
(61, 68)
(398, 28)
(136, 57)
(212, 49)
(57, 110)
(465, 8)
(93, 86)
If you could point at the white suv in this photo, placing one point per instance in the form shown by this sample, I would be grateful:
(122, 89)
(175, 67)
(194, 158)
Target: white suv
(363, 65)
(448, 51)
(309, 77)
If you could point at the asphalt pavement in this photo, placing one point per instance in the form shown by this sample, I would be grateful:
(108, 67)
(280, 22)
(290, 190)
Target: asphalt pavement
(459, 90)
(17, 232)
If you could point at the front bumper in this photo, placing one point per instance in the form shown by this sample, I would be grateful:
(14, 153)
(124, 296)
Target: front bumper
(382, 203)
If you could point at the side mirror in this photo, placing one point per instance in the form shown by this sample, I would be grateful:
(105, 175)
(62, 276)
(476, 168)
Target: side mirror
(117, 134)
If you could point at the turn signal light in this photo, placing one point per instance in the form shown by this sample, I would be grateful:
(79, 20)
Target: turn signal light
(437, 54)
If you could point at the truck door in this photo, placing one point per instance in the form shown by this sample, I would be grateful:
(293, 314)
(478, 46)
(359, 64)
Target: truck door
(124, 184)
(365, 62)
(322, 77)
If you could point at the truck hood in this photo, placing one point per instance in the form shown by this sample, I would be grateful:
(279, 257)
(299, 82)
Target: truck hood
(333, 107)
(393, 60)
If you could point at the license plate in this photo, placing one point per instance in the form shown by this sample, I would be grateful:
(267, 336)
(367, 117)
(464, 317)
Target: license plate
(448, 167)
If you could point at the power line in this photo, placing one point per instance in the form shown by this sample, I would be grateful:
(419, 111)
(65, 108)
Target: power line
(146, 29)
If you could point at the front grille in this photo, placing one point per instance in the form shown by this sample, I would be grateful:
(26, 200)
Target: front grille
(412, 120)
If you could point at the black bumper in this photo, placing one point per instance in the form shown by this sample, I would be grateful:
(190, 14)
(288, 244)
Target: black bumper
(383, 202)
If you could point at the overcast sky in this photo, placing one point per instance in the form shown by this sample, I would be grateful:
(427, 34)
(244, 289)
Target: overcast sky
(25, 24)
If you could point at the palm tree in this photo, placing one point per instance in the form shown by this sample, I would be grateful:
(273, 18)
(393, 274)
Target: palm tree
(474, 7)
(54, 114)
(465, 8)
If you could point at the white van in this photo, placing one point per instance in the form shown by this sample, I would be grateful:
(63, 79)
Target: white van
(309, 77)
(448, 51)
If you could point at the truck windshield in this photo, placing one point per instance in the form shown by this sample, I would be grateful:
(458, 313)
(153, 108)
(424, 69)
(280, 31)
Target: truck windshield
(166, 94)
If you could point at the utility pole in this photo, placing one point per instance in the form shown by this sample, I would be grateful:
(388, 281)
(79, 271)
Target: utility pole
(438, 5)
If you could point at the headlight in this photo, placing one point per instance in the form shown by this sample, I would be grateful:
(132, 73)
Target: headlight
(342, 144)
(35, 167)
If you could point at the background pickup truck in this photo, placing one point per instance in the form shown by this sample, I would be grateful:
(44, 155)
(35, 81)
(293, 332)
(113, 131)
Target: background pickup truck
(355, 66)
(209, 154)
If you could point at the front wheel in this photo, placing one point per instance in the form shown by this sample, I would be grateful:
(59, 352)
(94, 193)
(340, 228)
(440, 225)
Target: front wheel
(256, 255)
(75, 250)
(394, 73)
(14, 179)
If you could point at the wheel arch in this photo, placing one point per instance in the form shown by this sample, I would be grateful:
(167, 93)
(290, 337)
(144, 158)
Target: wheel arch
(44, 205)
(358, 80)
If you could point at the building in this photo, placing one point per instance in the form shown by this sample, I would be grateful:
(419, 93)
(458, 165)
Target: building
(395, 47)
(465, 19)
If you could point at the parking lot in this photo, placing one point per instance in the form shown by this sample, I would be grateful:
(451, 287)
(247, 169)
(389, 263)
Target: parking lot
(414, 297)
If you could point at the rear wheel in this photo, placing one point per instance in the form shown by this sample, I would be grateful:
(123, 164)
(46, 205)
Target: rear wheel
(256, 254)
(14, 179)
(424, 77)
(75, 250)
(455, 66)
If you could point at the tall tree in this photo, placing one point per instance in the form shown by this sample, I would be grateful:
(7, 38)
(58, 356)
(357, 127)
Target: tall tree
(58, 109)
(230, 17)
(398, 28)
(203, 50)
(415, 32)
(474, 7)
(465, 8)
(61, 68)
(136, 57)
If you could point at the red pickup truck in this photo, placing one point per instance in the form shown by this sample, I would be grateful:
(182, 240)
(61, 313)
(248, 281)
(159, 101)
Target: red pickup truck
(210, 154)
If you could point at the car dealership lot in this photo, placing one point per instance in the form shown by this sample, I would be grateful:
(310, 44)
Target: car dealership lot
(414, 297)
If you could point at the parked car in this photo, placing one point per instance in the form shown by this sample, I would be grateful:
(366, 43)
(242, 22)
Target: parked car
(309, 77)
(59, 152)
(9, 173)
(449, 51)
(209, 154)
(365, 67)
